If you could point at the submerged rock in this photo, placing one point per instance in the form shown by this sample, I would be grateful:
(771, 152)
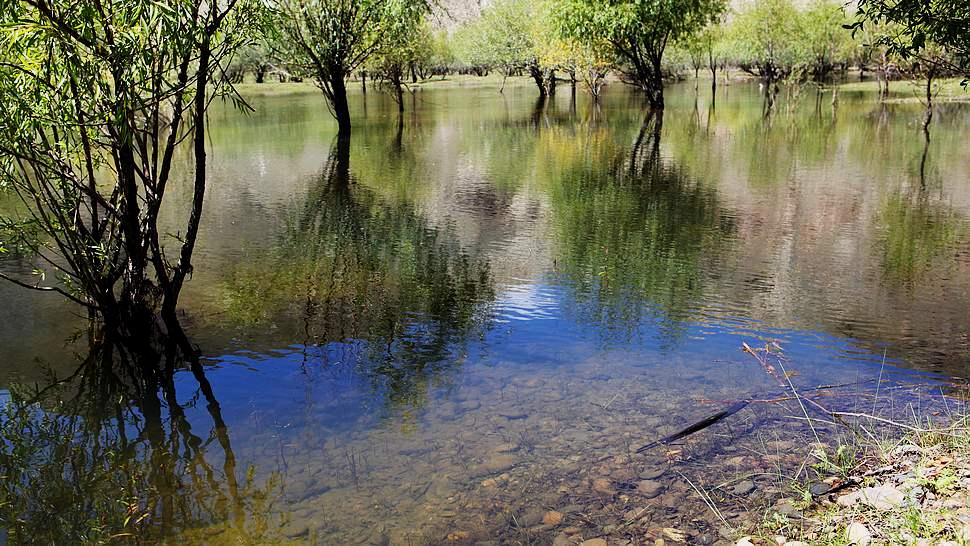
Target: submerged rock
(744, 488)
(652, 473)
(552, 518)
(603, 485)
(819, 488)
(649, 488)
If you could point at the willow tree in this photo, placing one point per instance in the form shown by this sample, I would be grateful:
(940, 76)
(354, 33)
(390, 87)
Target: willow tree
(507, 36)
(639, 31)
(327, 40)
(97, 104)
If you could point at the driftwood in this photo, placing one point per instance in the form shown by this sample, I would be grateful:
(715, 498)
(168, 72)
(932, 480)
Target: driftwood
(698, 426)
(776, 396)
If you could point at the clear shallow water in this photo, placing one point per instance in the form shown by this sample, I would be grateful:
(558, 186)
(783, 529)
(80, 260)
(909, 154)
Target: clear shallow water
(467, 318)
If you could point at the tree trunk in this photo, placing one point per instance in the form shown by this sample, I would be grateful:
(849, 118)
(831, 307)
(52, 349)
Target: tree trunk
(363, 81)
(655, 84)
(537, 75)
(398, 93)
(928, 116)
(341, 110)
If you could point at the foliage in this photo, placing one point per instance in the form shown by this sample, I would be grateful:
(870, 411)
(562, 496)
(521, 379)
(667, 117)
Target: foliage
(329, 39)
(95, 103)
(762, 39)
(254, 58)
(407, 48)
(915, 25)
(639, 31)
(502, 37)
(826, 43)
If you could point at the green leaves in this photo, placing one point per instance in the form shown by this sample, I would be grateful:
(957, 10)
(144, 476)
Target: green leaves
(942, 24)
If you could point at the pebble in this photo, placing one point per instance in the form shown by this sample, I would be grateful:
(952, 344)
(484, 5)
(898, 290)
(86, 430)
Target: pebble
(819, 488)
(603, 485)
(883, 497)
(552, 518)
(744, 487)
(498, 463)
(652, 473)
(744, 541)
(562, 539)
(594, 542)
(506, 448)
(786, 507)
(858, 534)
(649, 488)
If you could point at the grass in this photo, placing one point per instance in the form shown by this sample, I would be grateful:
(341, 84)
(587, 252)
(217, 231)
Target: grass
(899, 472)
(931, 466)
(905, 91)
(454, 81)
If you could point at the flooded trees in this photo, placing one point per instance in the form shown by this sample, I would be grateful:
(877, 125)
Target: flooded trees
(934, 36)
(330, 39)
(407, 49)
(507, 37)
(97, 103)
(639, 33)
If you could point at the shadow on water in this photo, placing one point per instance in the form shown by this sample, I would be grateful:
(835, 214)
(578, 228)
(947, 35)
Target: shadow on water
(108, 453)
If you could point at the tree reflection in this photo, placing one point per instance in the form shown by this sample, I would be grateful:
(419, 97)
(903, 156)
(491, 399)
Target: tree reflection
(632, 232)
(109, 455)
(354, 268)
(918, 229)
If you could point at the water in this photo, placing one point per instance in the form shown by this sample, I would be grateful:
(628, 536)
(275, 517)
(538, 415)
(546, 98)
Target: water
(466, 319)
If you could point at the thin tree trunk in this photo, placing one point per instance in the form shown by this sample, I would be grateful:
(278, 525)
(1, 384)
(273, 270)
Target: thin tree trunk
(184, 266)
(928, 116)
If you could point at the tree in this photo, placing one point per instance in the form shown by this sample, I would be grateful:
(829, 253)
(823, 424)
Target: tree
(506, 37)
(329, 39)
(97, 103)
(256, 58)
(913, 26)
(826, 44)
(639, 32)
(764, 40)
(407, 48)
(934, 35)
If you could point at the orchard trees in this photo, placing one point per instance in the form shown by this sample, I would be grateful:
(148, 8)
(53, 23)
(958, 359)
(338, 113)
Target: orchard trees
(329, 39)
(639, 32)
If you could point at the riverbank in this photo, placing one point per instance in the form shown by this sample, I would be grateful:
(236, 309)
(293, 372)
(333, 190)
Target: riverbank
(913, 91)
(915, 490)
(276, 89)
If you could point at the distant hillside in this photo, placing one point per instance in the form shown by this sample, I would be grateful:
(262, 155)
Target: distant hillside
(451, 14)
